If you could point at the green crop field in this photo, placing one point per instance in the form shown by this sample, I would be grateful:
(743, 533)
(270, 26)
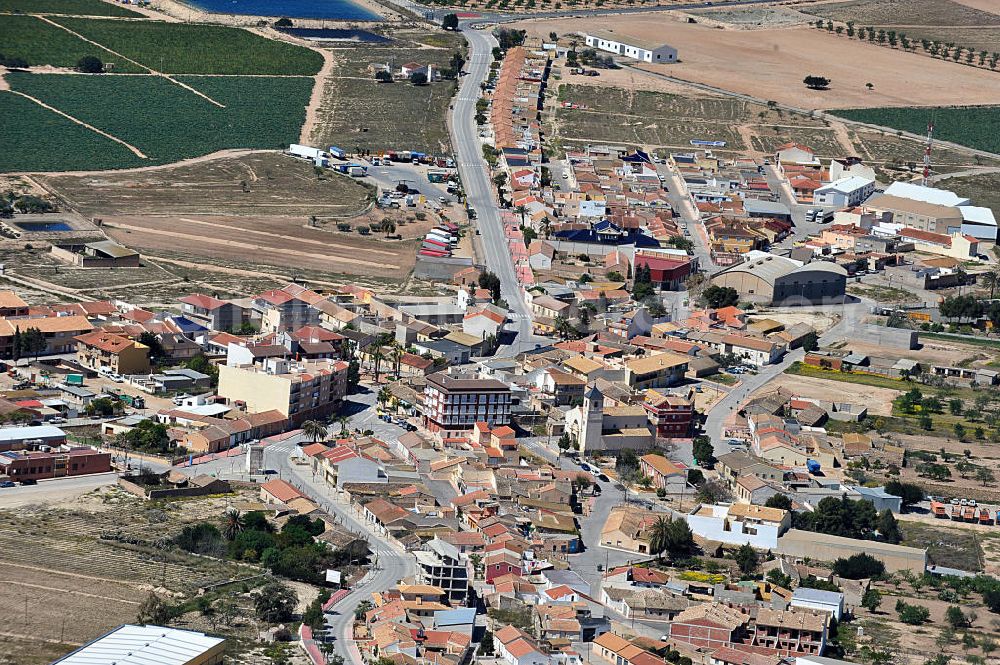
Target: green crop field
(40, 43)
(180, 48)
(168, 122)
(73, 7)
(972, 126)
(44, 141)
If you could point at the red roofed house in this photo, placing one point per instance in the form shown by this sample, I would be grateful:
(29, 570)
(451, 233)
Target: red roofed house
(278, 491)
(100, 349)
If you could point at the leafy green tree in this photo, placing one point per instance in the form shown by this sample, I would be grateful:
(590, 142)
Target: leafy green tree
(810, 342)
(956, 617)
(703, 451)
(90, 64)
(154, 611)
(314, 429)
(913, 615)
(720, 296)
(746, 558)
(450, 21)
(201, 538)
(888, 528)
(858, 566)
(418, 78)
(275, 603)
(156, 350)
(781, 501)
(871, 600)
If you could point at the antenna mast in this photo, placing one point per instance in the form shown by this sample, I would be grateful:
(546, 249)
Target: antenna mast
(927, 154)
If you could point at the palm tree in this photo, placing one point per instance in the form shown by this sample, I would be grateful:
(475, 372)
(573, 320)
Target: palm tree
(991, 280)
(397, 358)
(344, 421)
(377, 356)
(659, 536)
(314, 430)
(384, 395)
(232, 524)
(522, 211)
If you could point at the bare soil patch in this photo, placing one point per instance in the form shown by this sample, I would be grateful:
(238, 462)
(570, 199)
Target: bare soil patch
(258, 183)
(878, 400)
(264, 240)
(770, 64)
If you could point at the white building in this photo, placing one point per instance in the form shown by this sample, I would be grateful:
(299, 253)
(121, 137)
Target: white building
(816, 599)
(605, 40)
(150, 644)
(845, 192)
(739, 524)
(979, 223)
(915, 192)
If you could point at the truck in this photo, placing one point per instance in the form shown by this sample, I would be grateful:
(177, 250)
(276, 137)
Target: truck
(442, 237)
(437, 176)
(337, 152)
(357, 171)
(304, 151)
(431, 253)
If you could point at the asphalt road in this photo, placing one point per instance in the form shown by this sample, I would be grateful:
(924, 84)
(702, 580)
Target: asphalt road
(476, 180)
(54, 490)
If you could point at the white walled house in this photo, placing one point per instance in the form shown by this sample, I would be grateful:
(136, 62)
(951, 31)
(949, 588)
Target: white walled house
(629, 47)
(845, 192)
(739, 524)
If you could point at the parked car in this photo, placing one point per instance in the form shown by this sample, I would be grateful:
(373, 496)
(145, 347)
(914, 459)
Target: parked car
(29, 481)
(585, 466)
(603, 478)
(8, 483)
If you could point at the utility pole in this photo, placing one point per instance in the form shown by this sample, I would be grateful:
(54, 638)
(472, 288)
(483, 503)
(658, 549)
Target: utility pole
(927, 154)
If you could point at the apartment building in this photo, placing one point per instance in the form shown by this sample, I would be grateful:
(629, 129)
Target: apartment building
(656, 371)
(789, 632)
(671, 415)
(287, 309)
(454, 403)
(440, 564)
(212, 312)
(300, 391)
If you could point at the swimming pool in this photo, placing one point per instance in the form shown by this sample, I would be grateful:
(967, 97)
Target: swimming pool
(318, 9)
(43, 227)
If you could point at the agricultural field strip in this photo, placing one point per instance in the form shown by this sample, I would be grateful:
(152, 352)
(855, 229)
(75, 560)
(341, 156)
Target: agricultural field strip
(260, 112)
(138, 153)
(273, 250)
(39, 42)
(68, 7)
(151, 70)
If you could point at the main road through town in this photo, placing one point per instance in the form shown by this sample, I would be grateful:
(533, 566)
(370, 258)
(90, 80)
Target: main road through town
(478, 187)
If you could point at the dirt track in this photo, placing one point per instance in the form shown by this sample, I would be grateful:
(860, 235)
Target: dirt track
(771, 64)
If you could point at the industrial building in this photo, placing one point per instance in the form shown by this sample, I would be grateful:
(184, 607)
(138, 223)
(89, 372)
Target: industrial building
(772, 279)
(142, 645)
(637, 49)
